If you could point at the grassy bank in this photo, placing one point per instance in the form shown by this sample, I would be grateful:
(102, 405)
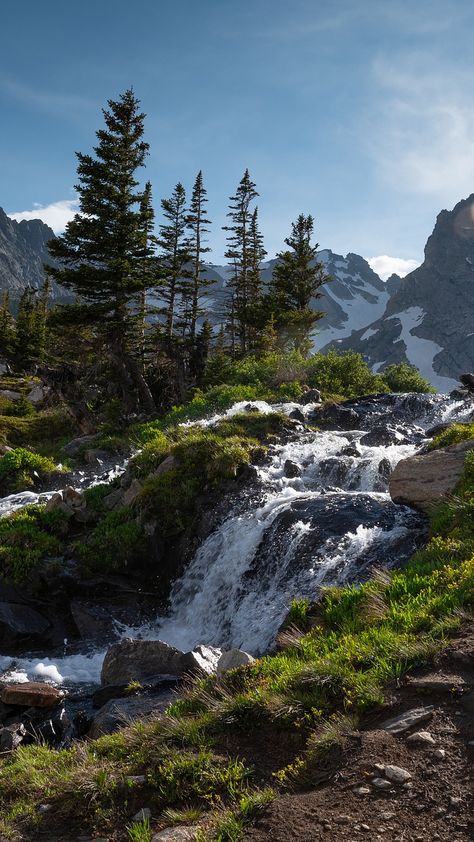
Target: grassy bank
(335, 661)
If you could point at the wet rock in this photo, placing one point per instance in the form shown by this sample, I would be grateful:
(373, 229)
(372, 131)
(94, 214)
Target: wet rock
(335, 417)
(384, 469)
(11, 736)
(232, 659)
(378, 436)
(20, 621)
(93, 621)
(155, 684)
(407, 720)
(467, 381)
(31, 694)
(350, 450)
(134, 660)
(291, 469)
(422, 481)
(117, 713)
(421, 738)
(96, 456)
(397, 775)
(297, 415)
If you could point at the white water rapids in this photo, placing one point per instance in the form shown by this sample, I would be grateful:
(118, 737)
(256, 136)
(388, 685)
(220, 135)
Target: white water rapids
(326, 526)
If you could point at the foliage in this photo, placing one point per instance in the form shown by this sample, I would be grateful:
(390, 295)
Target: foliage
(454, 434)
(26, 537)
(20, 468)
(115, 543)
(403, 377)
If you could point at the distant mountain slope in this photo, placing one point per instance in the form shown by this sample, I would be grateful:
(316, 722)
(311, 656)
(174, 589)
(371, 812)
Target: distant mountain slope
(23, 250)
(429, 319)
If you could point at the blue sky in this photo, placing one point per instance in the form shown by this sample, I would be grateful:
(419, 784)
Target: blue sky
(360, 113)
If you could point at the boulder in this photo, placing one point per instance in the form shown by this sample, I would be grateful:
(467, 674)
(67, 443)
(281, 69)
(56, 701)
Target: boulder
(73, 498)
(9, 395)
(11, 736)
(96, 456)
(467, 381)
(31, 694)
(336, 417)
(232, 659)
(119, 712)
(73, 447)
(134, 660)
(177, 834)
(291, 469)
(380, 435)
(164, 467)
(18, 620)
(310, 396)
(202, 660)
(297, 415)
(131, 493)
(114, 499)
(405, 721)
(93, 621)
(38, 393)
(424, 480)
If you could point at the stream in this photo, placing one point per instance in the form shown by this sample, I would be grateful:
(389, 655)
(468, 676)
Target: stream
(322, 516)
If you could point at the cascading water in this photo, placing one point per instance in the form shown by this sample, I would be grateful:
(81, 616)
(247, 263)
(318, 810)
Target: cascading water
(327, 524)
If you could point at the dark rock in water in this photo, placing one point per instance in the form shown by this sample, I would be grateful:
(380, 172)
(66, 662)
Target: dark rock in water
(291, 469)
(73, 447)
(310, 396)
(297, 415)
(335, 417)
(20, 621)
(350, 450)
(345, 536)
(134, 660)
(379, 436)
(467, 380)
(384, 469)
(460, 394)
(436, 430)
(119, 712)
(154, 684)
(92, 621)
(333, 471)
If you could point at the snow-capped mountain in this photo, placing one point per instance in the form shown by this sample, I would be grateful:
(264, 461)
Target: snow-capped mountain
(429, 319)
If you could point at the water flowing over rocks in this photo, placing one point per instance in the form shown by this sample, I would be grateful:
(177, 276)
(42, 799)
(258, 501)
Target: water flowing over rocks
(276, 537)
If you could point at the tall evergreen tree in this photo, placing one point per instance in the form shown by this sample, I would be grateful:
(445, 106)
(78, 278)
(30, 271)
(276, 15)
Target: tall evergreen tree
(148, 264)
(26, 339)
(296, 280)
(174, 256)
(99, 254)
(197, 222)
(255, 314)
(239, 252)
(7, 325)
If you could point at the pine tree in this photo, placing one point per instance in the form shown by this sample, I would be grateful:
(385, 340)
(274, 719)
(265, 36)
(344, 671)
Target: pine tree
(296, 281)
(7, 325)
(40, 320)
(255, 315)
(197, 222)
(148, 265)
(239, 252)
(174, 256)
(26, 339)
(99, 253)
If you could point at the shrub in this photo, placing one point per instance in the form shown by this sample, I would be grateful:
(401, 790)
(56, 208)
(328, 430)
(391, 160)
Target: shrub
(116, 542)
(28, 536)
(453, 435)
(403, 377)
(20, 467)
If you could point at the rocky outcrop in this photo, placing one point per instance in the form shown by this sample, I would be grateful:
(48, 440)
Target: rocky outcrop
(428, 319)
(134, 660)
(423, 481)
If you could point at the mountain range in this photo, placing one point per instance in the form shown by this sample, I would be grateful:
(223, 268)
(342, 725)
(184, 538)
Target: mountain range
(426, 318)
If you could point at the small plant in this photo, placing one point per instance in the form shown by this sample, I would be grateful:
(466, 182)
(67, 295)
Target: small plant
(20, 468)
(140, 831)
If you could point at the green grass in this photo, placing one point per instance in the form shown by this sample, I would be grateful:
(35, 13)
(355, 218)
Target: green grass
(21, 468)
(26, 537)
(454, 434)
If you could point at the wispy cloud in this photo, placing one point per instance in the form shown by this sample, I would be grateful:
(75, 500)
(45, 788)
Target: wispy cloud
(423, 127)
(386, 266)
(52, 102)
(56, 215)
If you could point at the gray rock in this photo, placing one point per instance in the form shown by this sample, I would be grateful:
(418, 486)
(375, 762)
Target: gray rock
(96, 456)
(142, 815)
(11, 736)
(164, 467)
(132, 492)
(73, 447)
(310, 396)
(232, 659)
(18, 620)
(203, 659)
(176, 834)
(424, 480)
(38, 394)
(379, 435)
(422, 738)
(9, 395)
(114, 499)
(298, 415)
(405, 721)
(397, 775)
(134, 660)
(117, 713)
(439, 753)
(381, 783)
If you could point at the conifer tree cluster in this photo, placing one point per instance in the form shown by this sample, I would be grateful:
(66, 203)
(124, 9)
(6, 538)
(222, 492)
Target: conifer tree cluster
(137, 327)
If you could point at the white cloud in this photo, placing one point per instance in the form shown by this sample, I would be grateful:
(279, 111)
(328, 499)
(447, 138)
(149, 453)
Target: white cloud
(56, 215)
(422, 137)
(386, 266)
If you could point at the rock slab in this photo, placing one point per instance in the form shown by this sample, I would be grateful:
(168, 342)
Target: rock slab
(134, 660)
(427, 479)
(31, 694)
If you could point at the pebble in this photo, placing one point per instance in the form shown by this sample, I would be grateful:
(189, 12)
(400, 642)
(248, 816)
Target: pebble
(381, 783)
(365, 827)
(379, 767)
(45, 808)
(397, 774)
(362, 790)
(421, 738)
(142, 815)
(386, 816)
(455, 801)
(440, 753)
